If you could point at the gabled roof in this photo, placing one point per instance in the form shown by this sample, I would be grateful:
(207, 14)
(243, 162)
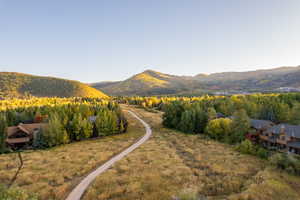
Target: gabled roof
(261, 124)
(289, 130)
(26, 128)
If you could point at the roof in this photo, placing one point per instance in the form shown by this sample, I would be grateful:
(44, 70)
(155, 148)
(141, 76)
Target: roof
(289, 130)
(26, 128)
(294, 144)
(260, 124)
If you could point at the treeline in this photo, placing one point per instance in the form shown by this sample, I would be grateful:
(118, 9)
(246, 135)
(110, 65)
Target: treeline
(68, 119)
(279, 108)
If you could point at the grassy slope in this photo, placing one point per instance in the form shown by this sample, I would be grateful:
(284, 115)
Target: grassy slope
(17, 84)
(174, 164)
(54, 172)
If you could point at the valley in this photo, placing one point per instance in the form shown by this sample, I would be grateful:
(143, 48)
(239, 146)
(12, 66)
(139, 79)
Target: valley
(170, 165)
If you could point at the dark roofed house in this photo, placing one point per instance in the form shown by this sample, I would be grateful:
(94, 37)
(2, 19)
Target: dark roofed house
(287, 137)
(23, 133)
(258, 127)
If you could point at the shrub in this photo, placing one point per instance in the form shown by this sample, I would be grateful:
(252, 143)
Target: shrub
(15, 194)
(289, 163)
(219, 129)
(247, 147)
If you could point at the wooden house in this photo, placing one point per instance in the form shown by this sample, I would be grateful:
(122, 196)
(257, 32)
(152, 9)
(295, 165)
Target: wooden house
(257, 129)
(284, 137)
(23, 134)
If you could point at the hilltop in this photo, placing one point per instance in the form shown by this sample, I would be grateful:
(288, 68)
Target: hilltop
(151, 82)
(14, 84)
(148, 82)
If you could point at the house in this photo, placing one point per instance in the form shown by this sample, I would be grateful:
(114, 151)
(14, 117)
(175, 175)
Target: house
(284, 137)
(257, 129)
(23, 134)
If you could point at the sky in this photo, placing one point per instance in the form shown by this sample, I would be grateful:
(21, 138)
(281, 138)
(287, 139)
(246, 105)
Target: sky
(102, 40)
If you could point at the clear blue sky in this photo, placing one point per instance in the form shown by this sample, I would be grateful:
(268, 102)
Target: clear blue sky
(96, 40)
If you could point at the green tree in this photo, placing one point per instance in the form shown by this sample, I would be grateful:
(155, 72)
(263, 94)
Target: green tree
(211, 113)
(187, 122)
(295, 114)
(55, 133)
(219, 129)
(240, 126)
(3, 132)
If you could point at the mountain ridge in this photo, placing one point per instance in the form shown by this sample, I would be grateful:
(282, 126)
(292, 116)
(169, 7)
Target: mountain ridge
(150, 82)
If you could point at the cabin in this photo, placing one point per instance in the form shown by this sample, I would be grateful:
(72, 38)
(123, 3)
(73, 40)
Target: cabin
(283, 137)
(23, 134)
(257, 129)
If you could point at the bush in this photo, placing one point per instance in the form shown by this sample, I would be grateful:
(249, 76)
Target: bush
(247, 147)
(15, 194)
(289, 163)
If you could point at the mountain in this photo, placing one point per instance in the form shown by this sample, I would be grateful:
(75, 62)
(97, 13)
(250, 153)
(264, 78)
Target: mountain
(148, 82)
(14, 84)
(151, 82)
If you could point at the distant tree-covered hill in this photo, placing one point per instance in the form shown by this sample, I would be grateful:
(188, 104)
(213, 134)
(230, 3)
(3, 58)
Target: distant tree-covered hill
(150, 82)
(19, 85)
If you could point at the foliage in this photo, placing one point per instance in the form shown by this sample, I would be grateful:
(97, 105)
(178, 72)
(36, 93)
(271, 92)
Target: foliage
(240, 126)
(69, 119)
(289, 163)
(15, 194)
(219, 129)
(247, 147)
(3, 132)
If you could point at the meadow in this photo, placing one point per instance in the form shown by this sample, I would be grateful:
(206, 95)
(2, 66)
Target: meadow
(173, 165)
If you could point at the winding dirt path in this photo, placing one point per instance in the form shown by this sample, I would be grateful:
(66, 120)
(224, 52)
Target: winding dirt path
(78, 191)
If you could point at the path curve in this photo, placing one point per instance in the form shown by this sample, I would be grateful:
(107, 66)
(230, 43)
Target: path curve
(78, 191)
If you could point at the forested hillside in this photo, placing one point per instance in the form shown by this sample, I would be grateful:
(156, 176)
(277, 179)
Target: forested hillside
(19, 85)
(155, 83)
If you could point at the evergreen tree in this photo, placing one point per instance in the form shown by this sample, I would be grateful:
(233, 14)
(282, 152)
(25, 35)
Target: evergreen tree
(295, 114)
(211, 113)
(240, 126)
(3, 132)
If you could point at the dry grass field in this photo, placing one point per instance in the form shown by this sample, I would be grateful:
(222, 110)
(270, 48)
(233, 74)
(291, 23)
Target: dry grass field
(172, 165)
(52, 173)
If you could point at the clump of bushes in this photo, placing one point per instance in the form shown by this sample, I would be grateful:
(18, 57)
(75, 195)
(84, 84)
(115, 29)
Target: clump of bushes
(15, 194)
(247, 147)
(287, 162)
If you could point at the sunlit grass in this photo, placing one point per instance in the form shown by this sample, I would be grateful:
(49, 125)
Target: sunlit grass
(172, 164)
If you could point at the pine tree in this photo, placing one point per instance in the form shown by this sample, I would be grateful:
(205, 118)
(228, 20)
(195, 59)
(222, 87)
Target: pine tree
(240, 126)
(295, 114)
(211, 113)
(3, 132)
